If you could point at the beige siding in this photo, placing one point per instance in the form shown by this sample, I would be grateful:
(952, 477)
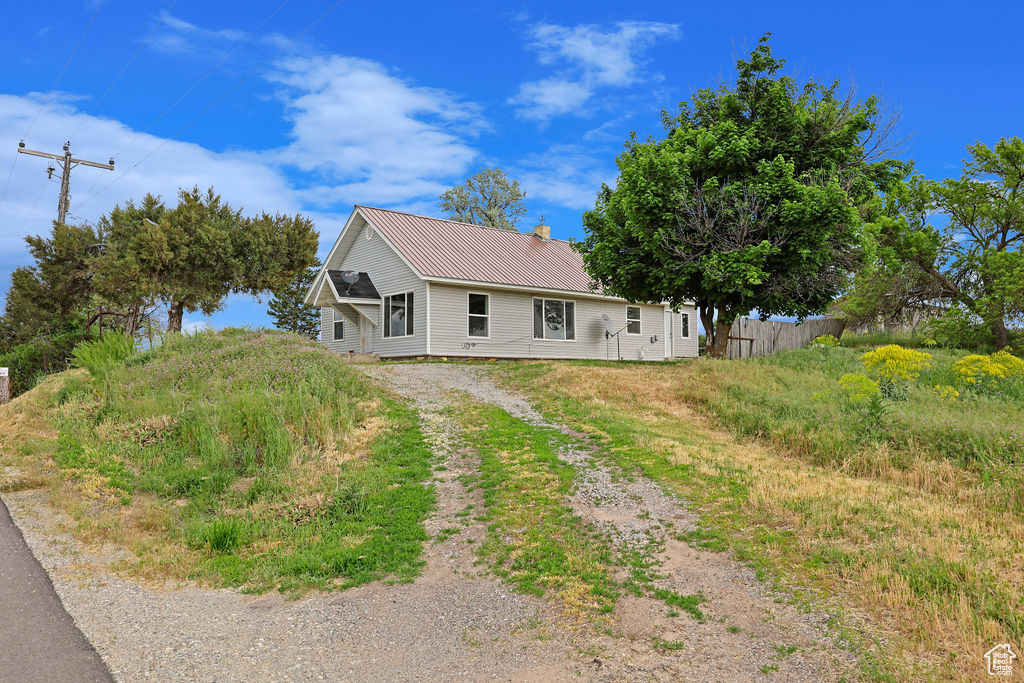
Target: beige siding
(685, 347)
(390, 275)
(511, 327)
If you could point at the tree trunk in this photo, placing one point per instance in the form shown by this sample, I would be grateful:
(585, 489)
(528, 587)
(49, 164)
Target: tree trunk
(131, 321)
(1000, 337)
(174, 314)
(721, 345)
(707, 320)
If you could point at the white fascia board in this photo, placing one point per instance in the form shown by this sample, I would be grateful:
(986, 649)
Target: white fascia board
(330, 255)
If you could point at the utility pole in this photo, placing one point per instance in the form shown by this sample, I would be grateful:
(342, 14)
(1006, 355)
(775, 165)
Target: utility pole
(66, 163)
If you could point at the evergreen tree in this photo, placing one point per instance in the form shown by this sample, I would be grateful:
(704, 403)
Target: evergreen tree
(288, 310)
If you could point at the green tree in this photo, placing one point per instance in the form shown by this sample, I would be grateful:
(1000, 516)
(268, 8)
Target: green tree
(489, 198)
(288, 310)
(126, 271)
(203, 250)
(971, 259)
(52, 295)
(749, 202)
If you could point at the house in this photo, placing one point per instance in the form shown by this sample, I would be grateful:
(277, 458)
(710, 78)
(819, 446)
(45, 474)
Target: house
(400, 285)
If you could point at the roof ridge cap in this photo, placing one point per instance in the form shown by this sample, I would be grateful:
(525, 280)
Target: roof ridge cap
(469, 225)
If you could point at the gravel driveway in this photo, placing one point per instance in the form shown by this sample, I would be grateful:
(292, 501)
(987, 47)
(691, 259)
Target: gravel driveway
(454, 622)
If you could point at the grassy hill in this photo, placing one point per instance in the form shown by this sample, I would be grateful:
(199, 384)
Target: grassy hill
(910, 515)
(239, 458)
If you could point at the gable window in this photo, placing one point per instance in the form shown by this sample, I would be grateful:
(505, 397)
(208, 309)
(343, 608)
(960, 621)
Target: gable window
(686, 323)
(633, 320)
(479, 315)
(339, 330)
(554, 319)
(398, 315)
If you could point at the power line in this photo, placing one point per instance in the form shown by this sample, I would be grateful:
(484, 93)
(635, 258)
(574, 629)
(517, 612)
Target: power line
(31, 211)
(202, 79)
(49, 95)
(125, 67)
(53, 88)
(219, 99)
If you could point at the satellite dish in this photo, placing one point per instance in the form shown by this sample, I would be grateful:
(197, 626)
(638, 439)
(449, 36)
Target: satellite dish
(350, 276)
(609, 326)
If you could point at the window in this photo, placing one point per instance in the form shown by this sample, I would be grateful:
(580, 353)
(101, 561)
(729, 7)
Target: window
(479, 315)
(686, 323)
(554, 319)
(398, 315)
(632, 320)
(339, 330)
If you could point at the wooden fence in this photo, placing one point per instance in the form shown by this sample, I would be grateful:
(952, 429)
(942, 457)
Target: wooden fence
(750, 338)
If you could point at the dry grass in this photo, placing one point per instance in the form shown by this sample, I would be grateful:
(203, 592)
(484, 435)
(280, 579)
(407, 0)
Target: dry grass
(919, 549)
(238, 458)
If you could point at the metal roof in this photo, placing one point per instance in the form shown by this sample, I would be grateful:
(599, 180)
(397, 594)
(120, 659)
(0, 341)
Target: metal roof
(440, 248)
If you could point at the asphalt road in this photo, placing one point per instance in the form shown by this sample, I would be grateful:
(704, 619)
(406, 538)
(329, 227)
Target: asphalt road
(38, 639)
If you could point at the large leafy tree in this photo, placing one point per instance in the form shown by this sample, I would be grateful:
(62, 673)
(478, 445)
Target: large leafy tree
(288, 309)
(956, 242)
(488, 198)
(750, 201)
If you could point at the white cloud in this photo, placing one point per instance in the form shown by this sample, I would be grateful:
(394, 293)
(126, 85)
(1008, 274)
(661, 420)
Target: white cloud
(551, 97)
(243, 181)
(184, 39)
(566, 175)
(590, 57)
(194, 326)
(375, 135)
(358, 135)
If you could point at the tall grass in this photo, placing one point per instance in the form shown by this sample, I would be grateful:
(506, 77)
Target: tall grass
(916, 525)
(99, 356)
(266, 461)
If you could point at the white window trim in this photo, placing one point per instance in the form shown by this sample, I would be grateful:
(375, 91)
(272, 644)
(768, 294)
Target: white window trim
(544, 298)
(478, 315)
(334, 330)
(640, 320)
(385, 313)
(684, 324)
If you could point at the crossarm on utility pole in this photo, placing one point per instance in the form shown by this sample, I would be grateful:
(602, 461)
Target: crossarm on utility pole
(66, 163)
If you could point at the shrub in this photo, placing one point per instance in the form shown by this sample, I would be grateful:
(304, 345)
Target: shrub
(977, 371)
(958, 329)
(826, 340)
(857, 387)
(30, 362)
(864, 399)
(946, 392)
(100, 355)
(896, 367)
(895, 363)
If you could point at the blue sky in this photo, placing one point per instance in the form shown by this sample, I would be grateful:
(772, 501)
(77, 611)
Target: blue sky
(388, 103)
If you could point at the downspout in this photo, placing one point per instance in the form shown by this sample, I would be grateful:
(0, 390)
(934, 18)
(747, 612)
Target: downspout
(428, 316)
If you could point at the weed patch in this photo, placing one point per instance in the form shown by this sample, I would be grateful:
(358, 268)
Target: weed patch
(240, 458)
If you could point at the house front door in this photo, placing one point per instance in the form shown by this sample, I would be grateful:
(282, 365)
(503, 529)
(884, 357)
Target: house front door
(365, 335)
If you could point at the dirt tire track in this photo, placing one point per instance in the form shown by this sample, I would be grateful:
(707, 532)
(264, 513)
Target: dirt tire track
(749, 632)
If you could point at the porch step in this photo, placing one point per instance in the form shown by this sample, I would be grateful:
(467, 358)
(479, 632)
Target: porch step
(361, 357)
